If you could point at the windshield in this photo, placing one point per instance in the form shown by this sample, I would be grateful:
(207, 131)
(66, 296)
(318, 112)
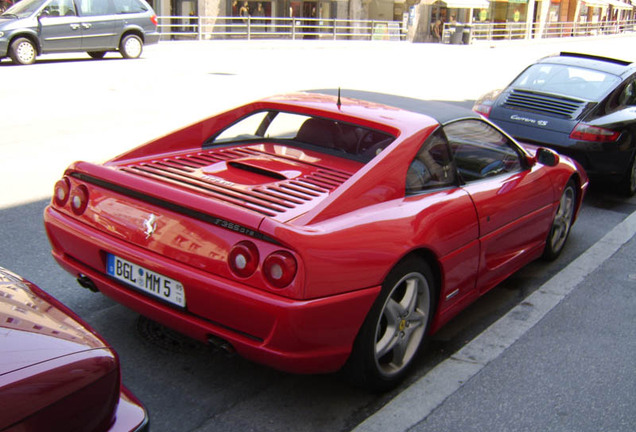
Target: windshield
(580, 83)
(322, 134)
(24, 8)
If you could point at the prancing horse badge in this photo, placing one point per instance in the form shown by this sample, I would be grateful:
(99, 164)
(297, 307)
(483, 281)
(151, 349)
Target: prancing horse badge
(150, 225)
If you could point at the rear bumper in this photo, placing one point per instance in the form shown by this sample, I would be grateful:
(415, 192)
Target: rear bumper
(151, 38)
(598, 161)
(299, 336)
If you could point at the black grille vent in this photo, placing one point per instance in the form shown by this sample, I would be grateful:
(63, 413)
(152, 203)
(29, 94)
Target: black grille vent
(542, 103)
(268, 199)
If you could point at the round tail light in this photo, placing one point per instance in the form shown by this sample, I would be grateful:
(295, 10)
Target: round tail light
(280, 269)
(61, 191)
(243, 259)
(79, 199)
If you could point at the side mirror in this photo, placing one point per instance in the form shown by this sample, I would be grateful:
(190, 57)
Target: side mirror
(547, 157)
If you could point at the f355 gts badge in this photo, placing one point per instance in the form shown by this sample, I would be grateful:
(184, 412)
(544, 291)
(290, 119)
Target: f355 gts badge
(150, 225)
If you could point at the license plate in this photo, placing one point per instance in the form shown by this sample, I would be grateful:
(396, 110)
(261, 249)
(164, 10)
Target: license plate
(146, 280)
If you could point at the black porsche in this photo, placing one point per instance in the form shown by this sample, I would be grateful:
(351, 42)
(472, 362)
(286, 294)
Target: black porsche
(583, 106)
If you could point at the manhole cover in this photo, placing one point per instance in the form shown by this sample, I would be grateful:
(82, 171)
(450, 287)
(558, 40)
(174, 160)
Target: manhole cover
(165, 338)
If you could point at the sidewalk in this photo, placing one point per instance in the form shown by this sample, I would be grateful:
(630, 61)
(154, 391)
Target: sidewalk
(563, 360)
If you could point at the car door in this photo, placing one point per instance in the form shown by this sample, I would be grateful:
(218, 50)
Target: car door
(445, 220)
(99, 25)
(59, 27)
(514, 201)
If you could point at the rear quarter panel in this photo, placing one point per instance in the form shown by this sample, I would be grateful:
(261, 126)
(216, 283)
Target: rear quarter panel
(357, 250)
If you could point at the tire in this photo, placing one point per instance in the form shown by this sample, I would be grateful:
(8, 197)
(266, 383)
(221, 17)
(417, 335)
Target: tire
(629, 182)
(395, 328)
(562, 223)
(131, 46)
(96, 54)
(23, 51)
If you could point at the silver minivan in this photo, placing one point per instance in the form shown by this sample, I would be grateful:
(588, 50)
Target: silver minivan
(33, 27)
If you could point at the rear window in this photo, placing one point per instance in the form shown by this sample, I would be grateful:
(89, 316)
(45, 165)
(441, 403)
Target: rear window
(322, 134)
(576, 82)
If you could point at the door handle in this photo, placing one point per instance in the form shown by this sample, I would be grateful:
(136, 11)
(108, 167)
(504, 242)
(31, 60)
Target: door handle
(75, 26)
(87, 25)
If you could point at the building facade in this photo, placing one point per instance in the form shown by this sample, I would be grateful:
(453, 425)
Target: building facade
(535, 15)
(385, 10)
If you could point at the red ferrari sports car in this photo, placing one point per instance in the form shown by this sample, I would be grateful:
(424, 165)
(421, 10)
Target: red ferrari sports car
(56, 373)
(313, 233)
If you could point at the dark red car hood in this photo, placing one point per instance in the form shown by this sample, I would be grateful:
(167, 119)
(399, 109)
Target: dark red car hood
(35, 328)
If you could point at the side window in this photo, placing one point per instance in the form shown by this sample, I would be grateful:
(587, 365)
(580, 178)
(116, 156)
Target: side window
(59, 8)
(627, 96)
(128, 6)
(432, 167)
(480, 150)
(96, 7)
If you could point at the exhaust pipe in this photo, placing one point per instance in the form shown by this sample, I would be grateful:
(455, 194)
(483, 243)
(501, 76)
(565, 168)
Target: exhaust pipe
(86, 282)
(222, 345)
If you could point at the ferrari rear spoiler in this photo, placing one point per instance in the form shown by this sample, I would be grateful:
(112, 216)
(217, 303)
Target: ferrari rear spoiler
(180, 201)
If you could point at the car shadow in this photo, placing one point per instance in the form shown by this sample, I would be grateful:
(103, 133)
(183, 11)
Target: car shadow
(43, 61)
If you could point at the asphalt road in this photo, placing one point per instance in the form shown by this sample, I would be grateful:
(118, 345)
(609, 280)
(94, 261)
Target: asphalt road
(68, 107)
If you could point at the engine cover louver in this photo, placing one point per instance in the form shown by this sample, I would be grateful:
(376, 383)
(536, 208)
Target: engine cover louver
(543, 103)
(240, 176)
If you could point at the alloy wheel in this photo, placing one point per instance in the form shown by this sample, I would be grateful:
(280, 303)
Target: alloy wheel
(563, 219)
(632, 178)
(402, 324)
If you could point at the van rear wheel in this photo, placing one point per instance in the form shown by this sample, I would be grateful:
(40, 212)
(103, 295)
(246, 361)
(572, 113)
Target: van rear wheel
(131, 46)
(97, 54)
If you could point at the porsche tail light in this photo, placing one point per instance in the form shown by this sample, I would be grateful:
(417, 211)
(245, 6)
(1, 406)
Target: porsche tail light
(154, 20)
(79, 199)
(586, 132)
(61, 191)
(483, 109)
(243, 259)
(280, 268)
(484, 104)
